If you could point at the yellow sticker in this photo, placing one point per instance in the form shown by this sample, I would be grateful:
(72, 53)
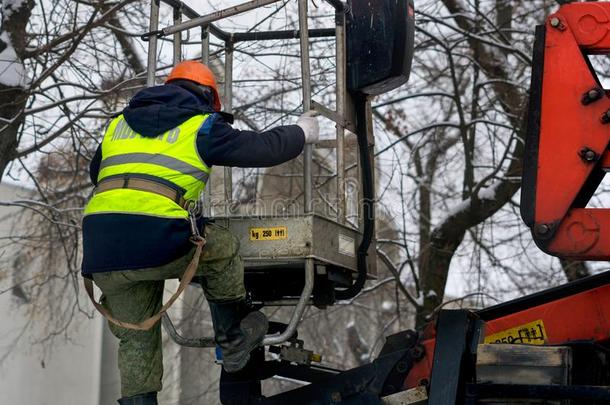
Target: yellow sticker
(269, 233)
(532, 333)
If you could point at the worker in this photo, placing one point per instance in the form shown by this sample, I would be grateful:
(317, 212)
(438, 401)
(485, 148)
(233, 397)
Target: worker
(149, 171)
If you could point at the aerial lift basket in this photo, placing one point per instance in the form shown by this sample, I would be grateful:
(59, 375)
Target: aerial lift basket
(321, 254)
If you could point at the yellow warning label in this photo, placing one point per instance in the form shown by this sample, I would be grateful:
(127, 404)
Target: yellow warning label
(532, 333)
(269, 233)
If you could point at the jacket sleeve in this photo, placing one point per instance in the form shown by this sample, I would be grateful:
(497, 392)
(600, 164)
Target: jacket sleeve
(220, 144)
(94, 165)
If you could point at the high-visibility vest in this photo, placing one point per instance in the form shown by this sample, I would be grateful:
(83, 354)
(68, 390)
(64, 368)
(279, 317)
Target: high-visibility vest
(170, 158)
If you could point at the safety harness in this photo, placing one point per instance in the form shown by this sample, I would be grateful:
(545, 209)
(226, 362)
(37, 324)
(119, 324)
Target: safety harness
(196, 238)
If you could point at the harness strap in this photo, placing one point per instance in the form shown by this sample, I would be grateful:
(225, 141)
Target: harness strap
(150, 322)
(136, 183)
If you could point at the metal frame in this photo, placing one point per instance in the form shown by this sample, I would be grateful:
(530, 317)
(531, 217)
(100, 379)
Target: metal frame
(152, 44)
(456, 330)
(303, 34)
(361, 385)
(341, 80)
(306, 77)
(207, 27)
(207, 18)
(298, 310)
(228, 93)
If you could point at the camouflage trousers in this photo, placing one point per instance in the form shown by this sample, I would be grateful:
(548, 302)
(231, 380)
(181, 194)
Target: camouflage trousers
(134, 295)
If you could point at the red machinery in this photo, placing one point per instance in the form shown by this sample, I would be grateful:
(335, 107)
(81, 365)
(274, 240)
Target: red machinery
(568, 135)
(566, 158)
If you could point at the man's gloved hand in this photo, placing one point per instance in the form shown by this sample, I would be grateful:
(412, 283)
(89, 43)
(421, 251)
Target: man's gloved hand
(309, 124)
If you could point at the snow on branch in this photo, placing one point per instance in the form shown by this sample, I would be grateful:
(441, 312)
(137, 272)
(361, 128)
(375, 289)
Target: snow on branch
(11, 6)
(484, 193)
(12, 72)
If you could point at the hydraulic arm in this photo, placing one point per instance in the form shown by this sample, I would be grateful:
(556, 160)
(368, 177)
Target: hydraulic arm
(568, 133)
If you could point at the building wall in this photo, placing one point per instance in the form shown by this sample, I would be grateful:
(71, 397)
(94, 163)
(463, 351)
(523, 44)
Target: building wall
(78, 370)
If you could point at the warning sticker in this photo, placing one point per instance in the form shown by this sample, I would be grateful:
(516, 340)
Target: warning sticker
(532, 333)
(347, 245)
(269, 233)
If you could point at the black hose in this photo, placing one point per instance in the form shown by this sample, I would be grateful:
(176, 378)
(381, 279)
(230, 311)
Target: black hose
(337, 4)
(368, 197)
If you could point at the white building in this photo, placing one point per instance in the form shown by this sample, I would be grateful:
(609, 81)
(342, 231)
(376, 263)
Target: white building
(81, 370)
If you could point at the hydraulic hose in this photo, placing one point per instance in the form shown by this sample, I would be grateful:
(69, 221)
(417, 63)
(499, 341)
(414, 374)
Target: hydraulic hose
(368, 197)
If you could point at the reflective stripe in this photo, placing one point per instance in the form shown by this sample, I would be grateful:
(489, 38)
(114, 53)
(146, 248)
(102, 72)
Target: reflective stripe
(171, 157)
(159, 160)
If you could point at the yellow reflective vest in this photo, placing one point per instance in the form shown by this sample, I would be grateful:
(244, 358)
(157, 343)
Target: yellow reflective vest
(170, 158)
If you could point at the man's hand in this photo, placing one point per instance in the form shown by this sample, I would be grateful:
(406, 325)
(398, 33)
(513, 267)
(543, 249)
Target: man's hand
(309, 124)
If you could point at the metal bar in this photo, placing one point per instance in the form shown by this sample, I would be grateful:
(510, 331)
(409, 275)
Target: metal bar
(454, 331)
(333, 116)
(218, 33)
(249, 36)
(323, 33)
(152, 44)
(287, 34)
(298, 310)
(177, 36)
(215, 16)
(370, 134)
(351, 142)
(190, 13)
(228, 172)
(206, 196)
(306, 76)
(181, 340)
(340, 102)
(205, 45)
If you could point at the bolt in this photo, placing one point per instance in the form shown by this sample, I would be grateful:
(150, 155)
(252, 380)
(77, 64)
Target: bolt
(541, 229)
(588, 155)
(555, 22)
(591, 96)
(605, 118)
(402, 366)
(417, 352)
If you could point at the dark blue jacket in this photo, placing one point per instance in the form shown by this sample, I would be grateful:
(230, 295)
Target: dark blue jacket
(128, 241)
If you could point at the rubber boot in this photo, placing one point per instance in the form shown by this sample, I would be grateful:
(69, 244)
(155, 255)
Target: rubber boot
(150, 398)
(237, 332)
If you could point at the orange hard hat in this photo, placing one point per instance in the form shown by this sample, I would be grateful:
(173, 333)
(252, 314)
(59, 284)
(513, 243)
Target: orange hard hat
(198, 73)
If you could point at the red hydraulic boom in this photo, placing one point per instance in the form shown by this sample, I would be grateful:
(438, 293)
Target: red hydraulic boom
(568, 135)
(566, 158)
